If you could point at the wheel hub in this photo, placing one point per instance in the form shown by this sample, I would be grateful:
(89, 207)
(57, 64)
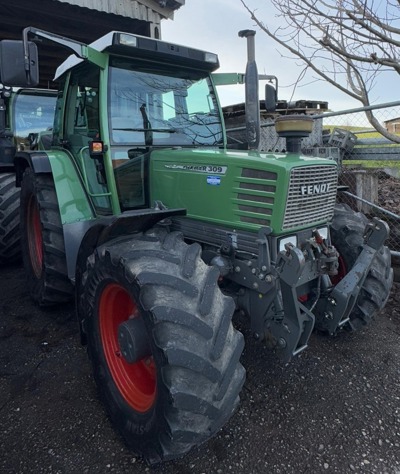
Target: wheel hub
(133, 340)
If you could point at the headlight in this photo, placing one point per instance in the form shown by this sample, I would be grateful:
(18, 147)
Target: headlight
(287, 240)
(127, 40)
(211, 58)
(323, 232)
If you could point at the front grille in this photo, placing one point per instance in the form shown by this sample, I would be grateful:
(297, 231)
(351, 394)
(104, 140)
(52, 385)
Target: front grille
(256, 199)
(311, 196)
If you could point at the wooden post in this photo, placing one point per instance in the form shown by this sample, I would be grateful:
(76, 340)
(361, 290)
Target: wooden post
(364, 184)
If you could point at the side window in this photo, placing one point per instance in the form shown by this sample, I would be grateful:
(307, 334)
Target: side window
(198, 101)
(82, 122)
(58, 117)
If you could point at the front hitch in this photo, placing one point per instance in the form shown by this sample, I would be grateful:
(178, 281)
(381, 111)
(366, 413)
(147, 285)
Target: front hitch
(293, 323)
(333, 311)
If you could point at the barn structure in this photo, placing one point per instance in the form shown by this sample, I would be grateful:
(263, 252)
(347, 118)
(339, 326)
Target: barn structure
(82, 20)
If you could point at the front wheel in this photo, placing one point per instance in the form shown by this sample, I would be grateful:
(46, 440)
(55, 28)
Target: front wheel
(347, 234)
(42, 241)
(164, 352)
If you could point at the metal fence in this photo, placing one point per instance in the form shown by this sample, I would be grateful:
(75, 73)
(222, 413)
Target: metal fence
(369, 163)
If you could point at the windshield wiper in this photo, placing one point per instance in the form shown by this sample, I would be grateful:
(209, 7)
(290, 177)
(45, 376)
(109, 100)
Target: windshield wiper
(161, 130)
(148, 132)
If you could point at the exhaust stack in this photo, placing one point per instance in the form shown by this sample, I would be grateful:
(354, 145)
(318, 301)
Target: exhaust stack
(251, 92)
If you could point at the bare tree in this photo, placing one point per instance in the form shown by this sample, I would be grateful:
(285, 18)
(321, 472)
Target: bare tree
(347, 43)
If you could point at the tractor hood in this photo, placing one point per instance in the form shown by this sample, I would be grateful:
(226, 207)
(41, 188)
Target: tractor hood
(245, 190)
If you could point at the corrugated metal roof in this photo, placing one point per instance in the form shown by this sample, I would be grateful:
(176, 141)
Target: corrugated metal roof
(147, 10)
(82, 20)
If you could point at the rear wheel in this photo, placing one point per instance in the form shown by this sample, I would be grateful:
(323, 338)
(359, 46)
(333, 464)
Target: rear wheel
(347, 234)
(164, 352)
(42, 241)
(9, 219)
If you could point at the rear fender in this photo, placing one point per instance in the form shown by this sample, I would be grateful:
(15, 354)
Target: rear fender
(76, 211)
(38, 161)
(73, 201)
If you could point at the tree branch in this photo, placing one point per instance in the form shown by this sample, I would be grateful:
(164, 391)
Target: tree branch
(358, 39)
(298, 54)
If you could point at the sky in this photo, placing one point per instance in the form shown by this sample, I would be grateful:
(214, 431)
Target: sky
(213, 25)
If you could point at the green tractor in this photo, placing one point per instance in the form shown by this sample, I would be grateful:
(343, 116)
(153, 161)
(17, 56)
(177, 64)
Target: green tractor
(140, 212)
(26, 115)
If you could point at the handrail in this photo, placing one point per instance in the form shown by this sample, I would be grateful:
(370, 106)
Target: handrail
(85, 178)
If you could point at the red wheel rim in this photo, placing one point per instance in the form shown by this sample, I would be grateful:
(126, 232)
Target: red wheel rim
(135, 382)
(35, 239)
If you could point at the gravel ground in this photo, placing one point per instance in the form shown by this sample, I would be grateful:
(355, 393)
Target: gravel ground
(334, 409)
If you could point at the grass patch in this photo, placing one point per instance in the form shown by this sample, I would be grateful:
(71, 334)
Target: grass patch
(377, 164)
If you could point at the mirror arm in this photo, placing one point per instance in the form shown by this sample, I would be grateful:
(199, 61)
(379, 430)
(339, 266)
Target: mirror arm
(76, 47)
(27, 59)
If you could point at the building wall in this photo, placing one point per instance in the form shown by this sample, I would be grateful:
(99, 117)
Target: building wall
(393, 126)
(152, 11)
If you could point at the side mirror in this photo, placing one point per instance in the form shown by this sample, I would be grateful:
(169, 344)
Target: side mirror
(271, 98)
(13, 69)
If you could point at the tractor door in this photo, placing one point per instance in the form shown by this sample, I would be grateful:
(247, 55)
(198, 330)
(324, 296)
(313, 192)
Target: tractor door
(81, 126)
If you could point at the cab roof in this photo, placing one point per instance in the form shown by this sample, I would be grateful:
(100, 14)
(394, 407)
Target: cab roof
(126, 44)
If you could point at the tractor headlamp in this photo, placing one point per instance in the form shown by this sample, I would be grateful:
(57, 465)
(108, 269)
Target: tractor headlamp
(211, 58)
(292, 239)
(128, 40)
(323, 232)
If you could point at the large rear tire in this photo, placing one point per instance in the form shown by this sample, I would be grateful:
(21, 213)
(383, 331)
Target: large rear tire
(347, 234)
(42, 241)
(182, 388)
(9, 219)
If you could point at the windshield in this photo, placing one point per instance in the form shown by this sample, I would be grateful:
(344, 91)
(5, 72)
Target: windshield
(164, 108)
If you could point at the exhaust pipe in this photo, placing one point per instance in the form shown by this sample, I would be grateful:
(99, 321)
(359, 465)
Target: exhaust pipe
(251, 92)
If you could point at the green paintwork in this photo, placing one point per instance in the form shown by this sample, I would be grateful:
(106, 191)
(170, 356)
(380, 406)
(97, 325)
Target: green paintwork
(104, 131)
(95, 57)
(72, 199)
(176, 185)
(227, 78)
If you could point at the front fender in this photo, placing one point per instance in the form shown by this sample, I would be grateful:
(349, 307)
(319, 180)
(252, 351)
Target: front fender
(95, 233)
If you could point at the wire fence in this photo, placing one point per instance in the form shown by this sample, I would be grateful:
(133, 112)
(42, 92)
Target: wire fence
(369, 163)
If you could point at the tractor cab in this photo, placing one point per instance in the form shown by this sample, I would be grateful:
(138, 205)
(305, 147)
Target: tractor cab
(133, 105)
(142, 109)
